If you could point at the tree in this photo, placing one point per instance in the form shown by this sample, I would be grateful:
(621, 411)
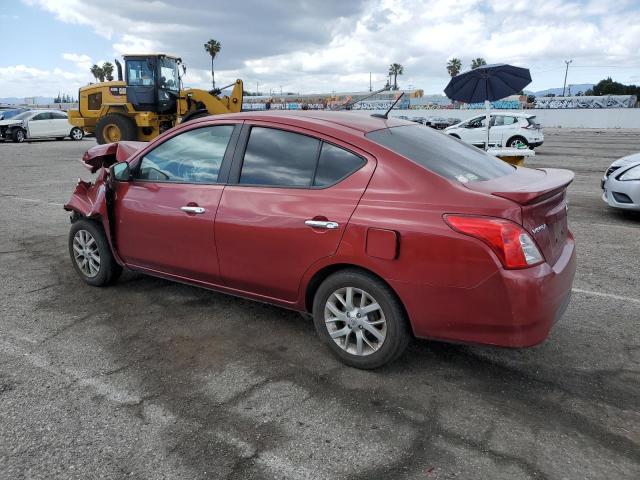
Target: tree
(477, 62)
(453, 66)
(107, 69)
(212, 47)
(97, 72)
(395, 69)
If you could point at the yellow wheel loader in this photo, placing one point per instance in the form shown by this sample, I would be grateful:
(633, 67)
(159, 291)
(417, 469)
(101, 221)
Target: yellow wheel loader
(146, 101)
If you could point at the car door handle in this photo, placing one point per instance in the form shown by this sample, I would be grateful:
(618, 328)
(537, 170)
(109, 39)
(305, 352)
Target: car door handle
(321, 224)
(189, 209)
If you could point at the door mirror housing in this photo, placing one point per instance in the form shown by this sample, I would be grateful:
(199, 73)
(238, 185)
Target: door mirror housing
(121, 172)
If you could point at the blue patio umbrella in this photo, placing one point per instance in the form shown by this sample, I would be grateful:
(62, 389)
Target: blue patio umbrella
(487, 84)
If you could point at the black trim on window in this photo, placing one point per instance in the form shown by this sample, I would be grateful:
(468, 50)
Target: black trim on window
(238, 159)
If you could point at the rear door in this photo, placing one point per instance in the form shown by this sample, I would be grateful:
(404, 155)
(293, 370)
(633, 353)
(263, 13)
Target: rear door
(59, 124)
(293, 196)
(164, 217)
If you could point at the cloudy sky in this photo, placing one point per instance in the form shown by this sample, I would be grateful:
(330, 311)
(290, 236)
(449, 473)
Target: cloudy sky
(318, 46)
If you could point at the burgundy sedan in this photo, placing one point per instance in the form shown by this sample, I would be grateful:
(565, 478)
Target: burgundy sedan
(380, 228)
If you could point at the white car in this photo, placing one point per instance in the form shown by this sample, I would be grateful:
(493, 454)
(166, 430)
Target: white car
(621, 183)
(39, 124)
(506, 130)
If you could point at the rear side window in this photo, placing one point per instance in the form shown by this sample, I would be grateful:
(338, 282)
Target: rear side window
(335, 164)
(42, 116)
(58, 115)
(444, 155)
(194, 156)
(279, 158)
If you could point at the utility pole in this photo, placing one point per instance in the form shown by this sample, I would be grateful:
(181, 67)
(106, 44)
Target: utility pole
(565, 75)
(370, 89)
(257, 88)
(280, 90)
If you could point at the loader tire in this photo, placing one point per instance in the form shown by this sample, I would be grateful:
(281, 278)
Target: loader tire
(115, 128)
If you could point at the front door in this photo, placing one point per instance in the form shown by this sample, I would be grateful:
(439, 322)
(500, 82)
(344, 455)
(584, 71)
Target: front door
(293, 197)
(39, 125)
(164, 217)
(476, 133)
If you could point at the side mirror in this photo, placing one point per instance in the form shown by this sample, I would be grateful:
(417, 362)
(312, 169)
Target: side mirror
(121, 172)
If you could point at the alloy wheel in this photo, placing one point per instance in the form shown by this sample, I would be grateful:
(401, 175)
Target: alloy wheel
(355, 321)
(77, 134)
(86, 254)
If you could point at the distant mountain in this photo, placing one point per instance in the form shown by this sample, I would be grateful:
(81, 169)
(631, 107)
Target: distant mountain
(580, 87)
(20, 100)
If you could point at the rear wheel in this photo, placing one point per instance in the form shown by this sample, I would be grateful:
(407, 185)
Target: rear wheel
(361, 319)
(115, 128)
(19, 135)
(517, 142)
(76, 134)
(91, 255)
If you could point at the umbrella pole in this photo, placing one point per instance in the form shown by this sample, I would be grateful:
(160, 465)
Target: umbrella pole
(487, 107)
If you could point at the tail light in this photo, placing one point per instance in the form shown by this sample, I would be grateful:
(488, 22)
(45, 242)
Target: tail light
(510, 242)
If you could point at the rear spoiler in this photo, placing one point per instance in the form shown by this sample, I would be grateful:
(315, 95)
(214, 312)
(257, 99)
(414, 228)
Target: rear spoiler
(109, 153)
(526, 185)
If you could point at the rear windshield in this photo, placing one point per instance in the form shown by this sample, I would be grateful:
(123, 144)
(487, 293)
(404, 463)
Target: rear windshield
(447, 156)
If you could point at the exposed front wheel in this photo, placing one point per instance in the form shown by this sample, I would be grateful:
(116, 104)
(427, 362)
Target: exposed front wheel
(19, 135)
(361, 319)
(115, 128)
(76, 134)
(91, 255)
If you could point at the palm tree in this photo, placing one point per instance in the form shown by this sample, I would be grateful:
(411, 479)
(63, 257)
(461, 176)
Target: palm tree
(213, 48)
(453, 66)
(97, 72)
(477, 62)
(395, 69)
(107, 69)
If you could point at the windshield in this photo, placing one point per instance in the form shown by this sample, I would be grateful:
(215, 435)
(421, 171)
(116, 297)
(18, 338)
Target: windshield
(444, 155)
(22, 116)
(169, 75)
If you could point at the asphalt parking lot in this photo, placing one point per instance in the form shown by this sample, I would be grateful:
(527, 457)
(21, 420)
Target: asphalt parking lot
(151, 379)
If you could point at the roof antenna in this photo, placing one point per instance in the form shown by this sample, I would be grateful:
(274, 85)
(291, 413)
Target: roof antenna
(385, 115)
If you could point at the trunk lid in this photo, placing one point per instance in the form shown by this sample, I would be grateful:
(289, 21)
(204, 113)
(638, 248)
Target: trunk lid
(110, 153)
(541, 194)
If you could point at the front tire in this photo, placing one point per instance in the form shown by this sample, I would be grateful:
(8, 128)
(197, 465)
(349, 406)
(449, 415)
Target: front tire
(76, 134)
(19, 135)
(115, 128)
(361, 319)
(91, 254)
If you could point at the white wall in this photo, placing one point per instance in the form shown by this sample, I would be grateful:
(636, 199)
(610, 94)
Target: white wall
(561, 118)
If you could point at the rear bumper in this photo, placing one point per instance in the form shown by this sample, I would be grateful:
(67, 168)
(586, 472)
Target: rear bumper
(512, 308)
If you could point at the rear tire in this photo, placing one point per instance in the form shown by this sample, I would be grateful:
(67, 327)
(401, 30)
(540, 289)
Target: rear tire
(514, 142)
(91, 254)
(366, 331)
(19, 135)
(76, 134)
(115, 128)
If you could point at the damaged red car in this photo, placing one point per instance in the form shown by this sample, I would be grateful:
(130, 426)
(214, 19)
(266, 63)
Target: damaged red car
(381, 229)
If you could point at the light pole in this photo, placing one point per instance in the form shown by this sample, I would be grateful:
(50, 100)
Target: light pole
(257, 88)
(565, 75)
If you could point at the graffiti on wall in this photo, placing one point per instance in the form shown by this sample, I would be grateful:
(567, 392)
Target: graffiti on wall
(606, 101)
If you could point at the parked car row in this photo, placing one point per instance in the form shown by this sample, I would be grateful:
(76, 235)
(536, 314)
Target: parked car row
(31, 124)
(439, 123)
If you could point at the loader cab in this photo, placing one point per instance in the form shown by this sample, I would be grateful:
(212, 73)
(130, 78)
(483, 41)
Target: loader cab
(153, 82)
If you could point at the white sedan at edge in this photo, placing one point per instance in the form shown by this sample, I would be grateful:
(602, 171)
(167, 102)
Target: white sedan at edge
(507, 129)
(621, 183)
(39, 124)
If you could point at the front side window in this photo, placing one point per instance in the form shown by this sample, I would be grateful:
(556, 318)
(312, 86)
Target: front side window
(194, 156)
(441, 154)
(478, 122)
(279, 158)
(139, 72)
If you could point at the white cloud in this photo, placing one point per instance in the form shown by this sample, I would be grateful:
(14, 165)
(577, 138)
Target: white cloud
(309, 47)
(25, 81)
(82, 61)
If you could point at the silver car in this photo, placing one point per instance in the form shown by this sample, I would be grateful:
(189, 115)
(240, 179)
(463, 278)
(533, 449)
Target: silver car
(621, 183)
